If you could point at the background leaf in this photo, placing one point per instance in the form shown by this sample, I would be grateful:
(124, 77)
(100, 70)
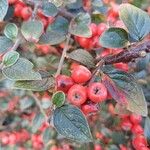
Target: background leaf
(80, 25)
(147, 128)
(114, 38)
(136, 20)
(49, 9)
(70, 122)
(39, 85)
(38, 120)
(26, 103)
(11, 31)
(58, 98)
(3, 9)
(32, 30)
(21, 70)
(10, 58)
(56, 32)
(5, 44)
(83, 57)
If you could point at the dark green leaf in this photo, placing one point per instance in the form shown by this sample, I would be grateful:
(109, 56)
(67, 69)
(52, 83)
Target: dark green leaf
(26, 103)
(58, 98)
(11, 31)
(38, 85)
(114, 38)
(118, 138)
(49, 9)
(3, 9)
(32, 30)
(56, 32)
(38, 120)
(71, 123)
(76, 5)
(147, 128)
(10, 58)
(5, 44)
(83, 57)
(80, 25)
(21, 70)
(134, 94)
(136, 20)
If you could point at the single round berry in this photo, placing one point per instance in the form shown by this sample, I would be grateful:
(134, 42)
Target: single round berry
(93, 28)
(81, 74)
(89, 108)
(77, 94)
(137, 129)
(26, 13)
(97, 92)
(64, 83)
(135, 119)
(17, 10)
(122, 66)
(126, 125)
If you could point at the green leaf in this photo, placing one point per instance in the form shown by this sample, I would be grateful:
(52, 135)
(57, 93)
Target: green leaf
(134, 94)
(118, 138)
(71, 123)
(38, 85)
(59, 3)
(3, 9)
(49, 9)
(80, 25)
(58, 98)
(32, 30)
(21, 70)
(5, 44)
(136, 20)
(10, 58)
(83, 57)
(26, 103)
(56, 32)
(147, 128)
(38, 120)
(114, 38)
(11, 31)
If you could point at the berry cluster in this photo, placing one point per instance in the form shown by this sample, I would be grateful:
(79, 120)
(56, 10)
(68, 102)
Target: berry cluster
(85, 97)
(133, 123)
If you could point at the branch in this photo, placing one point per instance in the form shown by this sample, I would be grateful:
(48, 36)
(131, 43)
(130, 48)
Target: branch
(63, 12)
(63, 55)
(125, 56)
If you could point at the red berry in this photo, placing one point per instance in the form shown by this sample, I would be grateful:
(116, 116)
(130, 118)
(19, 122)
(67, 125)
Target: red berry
(89, 108)
(101, 28)
(26, 13)
(81, 74)
(135, 119)
(143, 148)
(97, 92)
(137, 129)
(77, 94)
(122, 66)
(5, 140)
(93, 28)
(97, 147)
(139, 141)
(64, 83)
(126, 125)
(17, 10)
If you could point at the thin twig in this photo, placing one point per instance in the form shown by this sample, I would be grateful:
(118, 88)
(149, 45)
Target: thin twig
(37, 101)
(63, 55)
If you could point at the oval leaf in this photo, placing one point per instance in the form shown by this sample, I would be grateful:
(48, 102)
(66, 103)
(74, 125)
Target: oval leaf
(114, 38)
(136, 20)
(58, 98)
(3, 9)
(71, 123)
(21, 70)
(39, 85)
(83, 57)
(32, 30)
(5, 44)
(10, 58)
(11, 31)
(49, 9)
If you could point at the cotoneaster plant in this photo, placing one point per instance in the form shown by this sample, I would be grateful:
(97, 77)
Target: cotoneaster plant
(73, 72)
